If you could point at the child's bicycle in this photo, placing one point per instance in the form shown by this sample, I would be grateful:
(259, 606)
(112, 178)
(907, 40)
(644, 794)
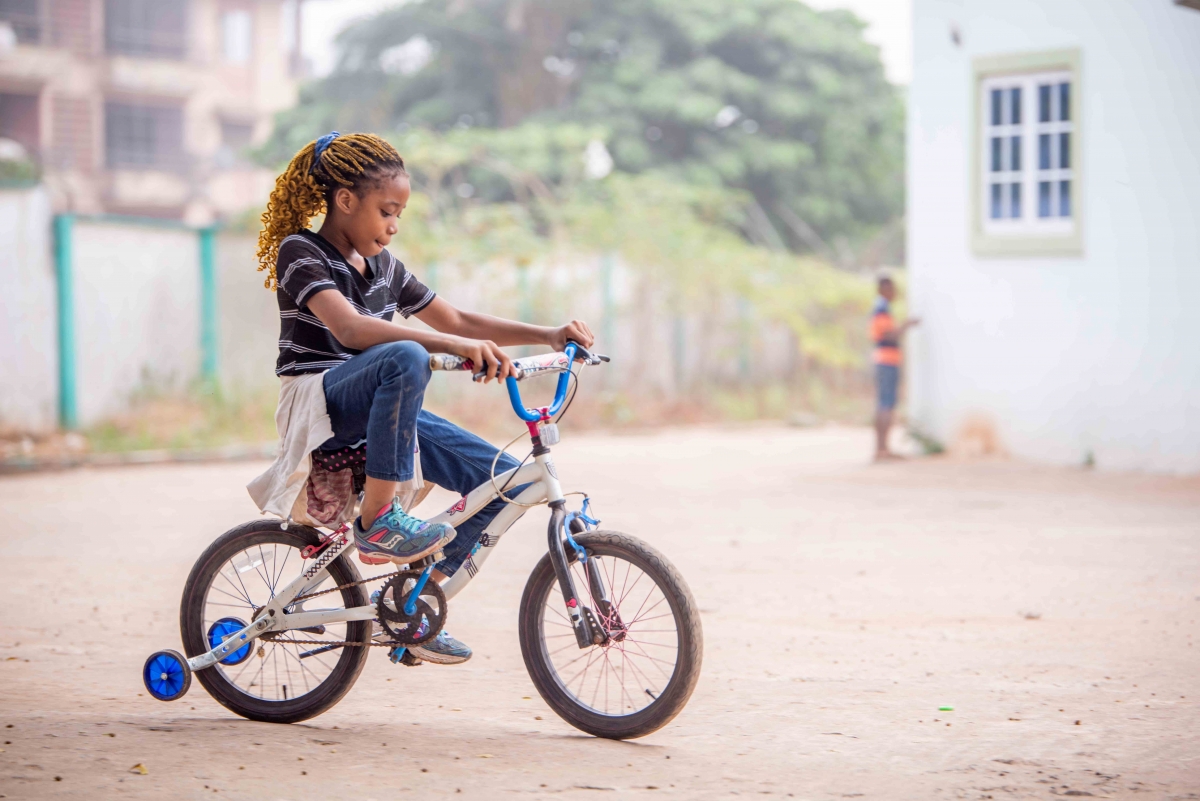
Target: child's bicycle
(278, 625)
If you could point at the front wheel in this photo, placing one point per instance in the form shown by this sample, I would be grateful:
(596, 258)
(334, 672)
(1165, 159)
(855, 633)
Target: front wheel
(641, 677)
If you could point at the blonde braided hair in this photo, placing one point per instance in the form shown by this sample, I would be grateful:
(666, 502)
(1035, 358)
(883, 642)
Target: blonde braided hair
(305, 189)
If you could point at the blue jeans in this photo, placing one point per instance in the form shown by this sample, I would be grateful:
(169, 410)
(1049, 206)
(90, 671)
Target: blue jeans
(887, 385)
(377, 396)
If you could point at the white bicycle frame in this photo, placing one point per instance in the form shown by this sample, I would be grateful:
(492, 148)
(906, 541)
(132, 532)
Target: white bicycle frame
(542, 477)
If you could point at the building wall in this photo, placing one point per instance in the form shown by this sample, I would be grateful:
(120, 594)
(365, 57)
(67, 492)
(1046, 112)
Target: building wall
(28, 337)
(1063, 357)
(72, 76)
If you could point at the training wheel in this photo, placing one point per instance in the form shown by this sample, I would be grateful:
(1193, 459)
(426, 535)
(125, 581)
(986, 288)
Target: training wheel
(167, 675)
(220, 631)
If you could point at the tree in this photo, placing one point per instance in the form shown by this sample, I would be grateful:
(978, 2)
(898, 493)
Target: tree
(767, 96)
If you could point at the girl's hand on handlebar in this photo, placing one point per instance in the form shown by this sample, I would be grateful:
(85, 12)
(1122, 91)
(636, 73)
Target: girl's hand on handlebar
(574, 331)
(485, 355)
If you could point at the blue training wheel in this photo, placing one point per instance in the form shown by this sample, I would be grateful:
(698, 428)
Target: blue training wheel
(167, 675)
(218, 632)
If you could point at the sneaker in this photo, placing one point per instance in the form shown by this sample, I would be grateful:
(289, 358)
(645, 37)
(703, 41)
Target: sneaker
(441, 650)
(397, 536)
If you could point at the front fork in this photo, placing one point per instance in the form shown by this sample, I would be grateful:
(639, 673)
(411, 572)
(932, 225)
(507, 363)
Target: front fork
(588, 630)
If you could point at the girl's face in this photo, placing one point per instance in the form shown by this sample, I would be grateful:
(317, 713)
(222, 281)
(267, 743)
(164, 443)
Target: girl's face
(370, 221)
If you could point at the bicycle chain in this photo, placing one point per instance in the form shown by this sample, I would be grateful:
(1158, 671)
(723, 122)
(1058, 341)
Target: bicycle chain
(338, 643)
(300, 598)
(335, 643)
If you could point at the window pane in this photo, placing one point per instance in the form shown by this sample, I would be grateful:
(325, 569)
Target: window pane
(1064, 151)
(143, 136)
(1043, 198)
(1044, 103)
(155, 28)
(1015, 195)
(1043, 151)
(1064, 101)
(1015, 99)
(997, 208)
(25, 18)
(1014, 163)
(996, 154)
(997, 104)
(1064, 198)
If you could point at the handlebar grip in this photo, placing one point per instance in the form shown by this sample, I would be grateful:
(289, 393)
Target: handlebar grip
(445, 361)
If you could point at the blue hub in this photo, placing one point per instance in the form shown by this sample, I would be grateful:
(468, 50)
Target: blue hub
(218, 632)
(167, 675)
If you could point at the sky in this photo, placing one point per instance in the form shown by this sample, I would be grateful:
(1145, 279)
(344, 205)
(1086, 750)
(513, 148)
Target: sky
(889, 27)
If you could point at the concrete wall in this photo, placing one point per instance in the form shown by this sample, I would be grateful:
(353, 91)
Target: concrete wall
(28, 337)
(137, 319)
(1064, 356)
(248, 317)
(137, 313)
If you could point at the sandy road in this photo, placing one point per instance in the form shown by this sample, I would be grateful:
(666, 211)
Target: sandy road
(1057, 612)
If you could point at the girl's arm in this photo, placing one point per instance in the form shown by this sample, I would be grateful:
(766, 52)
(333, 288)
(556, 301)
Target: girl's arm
(442, 316)
(360, 331)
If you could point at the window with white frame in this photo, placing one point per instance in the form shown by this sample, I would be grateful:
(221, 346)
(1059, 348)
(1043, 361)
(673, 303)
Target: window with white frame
(1028, 155)
(237, 36)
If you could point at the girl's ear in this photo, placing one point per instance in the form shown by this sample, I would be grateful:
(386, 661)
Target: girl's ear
(345, 200)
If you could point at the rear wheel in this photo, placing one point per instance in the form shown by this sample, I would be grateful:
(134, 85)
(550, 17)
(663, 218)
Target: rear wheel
(277, 682)
(644, 674)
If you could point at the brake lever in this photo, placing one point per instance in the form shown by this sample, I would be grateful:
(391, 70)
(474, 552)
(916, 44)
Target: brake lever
(586, 356)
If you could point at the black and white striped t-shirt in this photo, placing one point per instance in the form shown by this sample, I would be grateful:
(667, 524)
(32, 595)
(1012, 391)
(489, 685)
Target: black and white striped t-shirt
(308, 264)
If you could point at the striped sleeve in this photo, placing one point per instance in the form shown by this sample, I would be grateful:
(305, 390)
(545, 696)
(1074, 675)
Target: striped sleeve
(302, 269)
(410, 294)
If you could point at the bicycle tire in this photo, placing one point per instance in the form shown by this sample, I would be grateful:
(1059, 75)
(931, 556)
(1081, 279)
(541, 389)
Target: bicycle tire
(191, 624)
(539, 588)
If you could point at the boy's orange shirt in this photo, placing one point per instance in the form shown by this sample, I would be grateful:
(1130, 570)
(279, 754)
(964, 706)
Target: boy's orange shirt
(883, 328)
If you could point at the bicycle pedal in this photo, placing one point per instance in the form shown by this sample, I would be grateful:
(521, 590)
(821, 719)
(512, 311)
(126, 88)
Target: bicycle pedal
(401, 655)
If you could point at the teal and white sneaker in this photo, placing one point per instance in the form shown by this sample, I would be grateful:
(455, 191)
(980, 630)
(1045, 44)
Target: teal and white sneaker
(441, 650)
(397, 536)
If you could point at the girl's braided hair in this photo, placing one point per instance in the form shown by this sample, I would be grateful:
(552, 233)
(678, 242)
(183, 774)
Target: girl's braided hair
(305, 189)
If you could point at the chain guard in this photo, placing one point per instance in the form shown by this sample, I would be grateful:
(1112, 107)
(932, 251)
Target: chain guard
(404, 628)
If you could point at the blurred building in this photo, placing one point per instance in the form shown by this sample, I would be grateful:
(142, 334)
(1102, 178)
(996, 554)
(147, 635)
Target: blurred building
(146, 107)
(1054, 248)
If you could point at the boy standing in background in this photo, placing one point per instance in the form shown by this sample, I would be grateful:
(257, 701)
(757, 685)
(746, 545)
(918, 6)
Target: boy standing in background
(886, 335)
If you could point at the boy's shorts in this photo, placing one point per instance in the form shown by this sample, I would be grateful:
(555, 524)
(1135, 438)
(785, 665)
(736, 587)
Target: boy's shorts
(887, 384)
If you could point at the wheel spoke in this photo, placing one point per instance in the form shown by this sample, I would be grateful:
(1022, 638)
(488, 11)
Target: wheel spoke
(613, 678)
(280, 674)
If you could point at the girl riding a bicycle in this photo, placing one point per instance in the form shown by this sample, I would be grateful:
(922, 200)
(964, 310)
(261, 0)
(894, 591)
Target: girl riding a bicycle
(349, 374)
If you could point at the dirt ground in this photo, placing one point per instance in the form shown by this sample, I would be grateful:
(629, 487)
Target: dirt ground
(1055, 610)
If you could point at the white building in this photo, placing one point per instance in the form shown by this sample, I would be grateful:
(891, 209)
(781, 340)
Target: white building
(1054, 228)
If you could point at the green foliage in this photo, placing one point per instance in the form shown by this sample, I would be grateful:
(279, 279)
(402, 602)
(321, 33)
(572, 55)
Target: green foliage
(787, 104)
(18, 173)
(683, 240)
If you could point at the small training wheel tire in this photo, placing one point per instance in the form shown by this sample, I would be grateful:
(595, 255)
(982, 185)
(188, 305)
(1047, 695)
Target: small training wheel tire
(166, 675)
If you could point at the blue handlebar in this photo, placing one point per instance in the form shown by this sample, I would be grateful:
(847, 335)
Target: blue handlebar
(560, 392)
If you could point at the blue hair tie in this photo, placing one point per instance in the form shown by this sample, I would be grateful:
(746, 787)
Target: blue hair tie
(322, 144)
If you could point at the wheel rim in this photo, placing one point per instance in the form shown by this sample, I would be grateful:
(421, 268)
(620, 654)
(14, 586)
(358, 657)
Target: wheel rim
(629, 673)
(271, 671)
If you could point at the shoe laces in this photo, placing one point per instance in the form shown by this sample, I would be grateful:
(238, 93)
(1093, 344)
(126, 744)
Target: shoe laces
(397, 518)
